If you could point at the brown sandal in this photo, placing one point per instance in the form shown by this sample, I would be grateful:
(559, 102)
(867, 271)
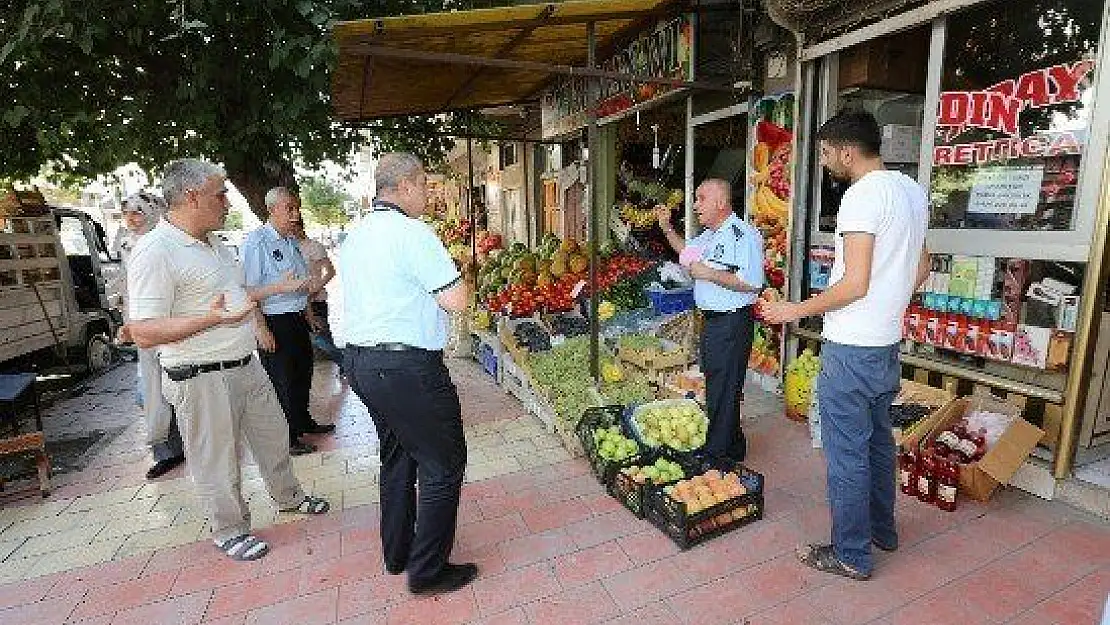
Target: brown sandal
(823, 558)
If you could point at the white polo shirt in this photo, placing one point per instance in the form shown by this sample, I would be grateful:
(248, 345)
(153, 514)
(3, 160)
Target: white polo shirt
(171, 274)
(892, 207)
(391, 266)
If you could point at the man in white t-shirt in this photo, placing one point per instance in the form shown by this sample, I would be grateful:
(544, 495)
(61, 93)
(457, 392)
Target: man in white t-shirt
(880, 261)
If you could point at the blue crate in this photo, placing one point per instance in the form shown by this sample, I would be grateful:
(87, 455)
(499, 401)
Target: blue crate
(671, 301)
(488, 359)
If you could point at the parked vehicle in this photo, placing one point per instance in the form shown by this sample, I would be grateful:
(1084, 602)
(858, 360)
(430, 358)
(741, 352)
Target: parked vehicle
(59, 286)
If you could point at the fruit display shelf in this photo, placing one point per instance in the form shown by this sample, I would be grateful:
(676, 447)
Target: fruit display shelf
(687, 527)
(593, 420)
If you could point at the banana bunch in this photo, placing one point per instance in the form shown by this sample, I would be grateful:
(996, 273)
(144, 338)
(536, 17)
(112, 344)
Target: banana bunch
(769, 208)
(637, 217)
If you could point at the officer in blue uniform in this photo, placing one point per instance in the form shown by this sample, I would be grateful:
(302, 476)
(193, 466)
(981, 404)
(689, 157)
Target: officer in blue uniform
(726, 262)
(277, 277)
(398, 283)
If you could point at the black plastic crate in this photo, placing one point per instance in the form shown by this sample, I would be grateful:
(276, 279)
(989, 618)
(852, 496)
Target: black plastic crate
(687, 530)
(630, 493)
(603, 417)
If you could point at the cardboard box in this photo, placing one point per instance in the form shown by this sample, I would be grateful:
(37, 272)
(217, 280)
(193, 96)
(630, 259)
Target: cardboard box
(980, 479)
(911, 392)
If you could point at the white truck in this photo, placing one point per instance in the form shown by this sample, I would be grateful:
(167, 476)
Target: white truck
(56, 278)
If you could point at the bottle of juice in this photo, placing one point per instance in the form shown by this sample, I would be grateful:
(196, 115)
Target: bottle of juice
(926, 477)
(948, 479)
(907, 472)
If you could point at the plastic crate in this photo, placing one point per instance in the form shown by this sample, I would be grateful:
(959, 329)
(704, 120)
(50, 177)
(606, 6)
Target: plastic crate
(671, 301)
(592, 419)
(630, 493)
(687, 530)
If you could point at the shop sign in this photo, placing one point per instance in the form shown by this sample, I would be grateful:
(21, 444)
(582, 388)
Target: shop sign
(665, 52)
(999, 107)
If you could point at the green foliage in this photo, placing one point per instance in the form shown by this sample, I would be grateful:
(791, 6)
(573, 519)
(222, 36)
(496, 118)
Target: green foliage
(90, 86)
(322, 202)
(234, 220)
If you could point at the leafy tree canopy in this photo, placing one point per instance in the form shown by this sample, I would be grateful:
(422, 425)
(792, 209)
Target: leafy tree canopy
(91, 86)
(323, 202)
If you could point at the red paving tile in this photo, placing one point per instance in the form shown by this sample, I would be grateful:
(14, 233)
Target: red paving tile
(498, 593)
(646, 584)
(647, 546)
(50, 611)
(515, 616)
(448, 609)
(560, 514)
(313, 609)
(793, 612)
(371, 595)
(536, 547)
(605, 527)
(103, 575)
(185, 610)
(147, 589)
(652, 614)
(1081, 602)
(579, 606)
(21, 593)
(491, 531)
(344, 570)
(198, 578)
(591, 564)
(255, 593)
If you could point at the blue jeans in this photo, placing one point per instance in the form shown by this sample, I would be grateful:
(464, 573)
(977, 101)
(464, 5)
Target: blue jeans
(854, 390)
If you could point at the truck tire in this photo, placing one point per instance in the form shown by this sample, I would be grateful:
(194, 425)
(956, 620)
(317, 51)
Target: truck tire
(98, 353)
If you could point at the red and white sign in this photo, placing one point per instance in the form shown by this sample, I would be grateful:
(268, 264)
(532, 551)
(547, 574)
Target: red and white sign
(999, 108)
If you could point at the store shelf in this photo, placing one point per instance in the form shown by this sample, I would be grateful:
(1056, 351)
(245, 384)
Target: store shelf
(944, 368)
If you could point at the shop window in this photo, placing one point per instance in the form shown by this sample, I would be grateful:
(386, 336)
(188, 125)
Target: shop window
(508, 155)
(1014, 114)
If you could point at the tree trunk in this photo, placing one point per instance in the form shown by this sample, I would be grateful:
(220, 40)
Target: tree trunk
(254, 178)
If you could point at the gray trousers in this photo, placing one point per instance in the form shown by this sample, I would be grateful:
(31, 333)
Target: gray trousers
(218, 411)
(163, 436)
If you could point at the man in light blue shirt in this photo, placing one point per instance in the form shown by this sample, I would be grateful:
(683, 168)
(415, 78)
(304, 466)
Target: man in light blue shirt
(277, 277)
(726, 262)
(398, 282)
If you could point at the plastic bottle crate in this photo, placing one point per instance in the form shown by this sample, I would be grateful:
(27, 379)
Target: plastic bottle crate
(688, 530)
(671, 301)
(603, 417)
(630, 493)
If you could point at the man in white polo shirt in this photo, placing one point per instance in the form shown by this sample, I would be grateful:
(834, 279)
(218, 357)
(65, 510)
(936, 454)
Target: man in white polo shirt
(187, 298)
(880, 261)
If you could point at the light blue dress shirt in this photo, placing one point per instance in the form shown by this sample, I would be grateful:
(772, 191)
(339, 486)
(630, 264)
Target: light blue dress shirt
(391, 267)
(737, 246)
(267, 257)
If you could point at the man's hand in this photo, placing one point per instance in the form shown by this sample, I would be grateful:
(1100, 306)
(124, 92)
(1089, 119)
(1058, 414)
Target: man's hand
(266, 340)
(290, 283)
(219, 314)
(701, 271)
(777, 313)
(663, 216)
(124, 334)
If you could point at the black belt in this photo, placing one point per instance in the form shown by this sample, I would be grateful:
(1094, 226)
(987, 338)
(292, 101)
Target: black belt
(713, 314)
(390, 347)
(184, 372)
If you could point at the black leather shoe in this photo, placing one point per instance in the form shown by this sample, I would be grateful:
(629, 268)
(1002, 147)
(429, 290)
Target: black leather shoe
(297, 447)
(394, 569)
(320, 428)
(450, 579)
(163, 467)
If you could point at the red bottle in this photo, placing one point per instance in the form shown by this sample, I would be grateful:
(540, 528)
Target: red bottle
(907, 472)
(947, 484)
(980, 440)
(926, 477)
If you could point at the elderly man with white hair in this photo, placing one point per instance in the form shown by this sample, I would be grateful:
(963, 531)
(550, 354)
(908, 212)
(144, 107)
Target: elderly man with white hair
(278, 278)
(187, 297)
(141, 212)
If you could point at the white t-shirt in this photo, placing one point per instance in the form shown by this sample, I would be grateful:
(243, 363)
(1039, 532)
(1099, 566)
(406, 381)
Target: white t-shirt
(171, 274)
(893, 207)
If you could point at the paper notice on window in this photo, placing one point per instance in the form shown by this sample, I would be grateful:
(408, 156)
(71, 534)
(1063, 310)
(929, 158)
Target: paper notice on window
(1006, 190)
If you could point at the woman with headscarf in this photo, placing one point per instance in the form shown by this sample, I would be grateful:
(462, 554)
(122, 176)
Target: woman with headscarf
(141, 212)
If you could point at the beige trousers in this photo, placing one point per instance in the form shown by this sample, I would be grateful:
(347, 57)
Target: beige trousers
(217, 412)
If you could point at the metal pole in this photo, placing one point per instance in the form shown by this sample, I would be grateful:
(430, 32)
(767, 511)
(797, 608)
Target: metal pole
(1079, 370)
(591, 192)
(470, 202)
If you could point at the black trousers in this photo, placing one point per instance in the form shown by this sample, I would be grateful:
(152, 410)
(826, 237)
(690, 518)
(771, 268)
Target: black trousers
(415, 408)
(290, 368)
(726, 346)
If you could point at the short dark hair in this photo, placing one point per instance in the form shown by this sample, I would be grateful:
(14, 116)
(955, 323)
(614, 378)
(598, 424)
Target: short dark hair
(853, 127)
